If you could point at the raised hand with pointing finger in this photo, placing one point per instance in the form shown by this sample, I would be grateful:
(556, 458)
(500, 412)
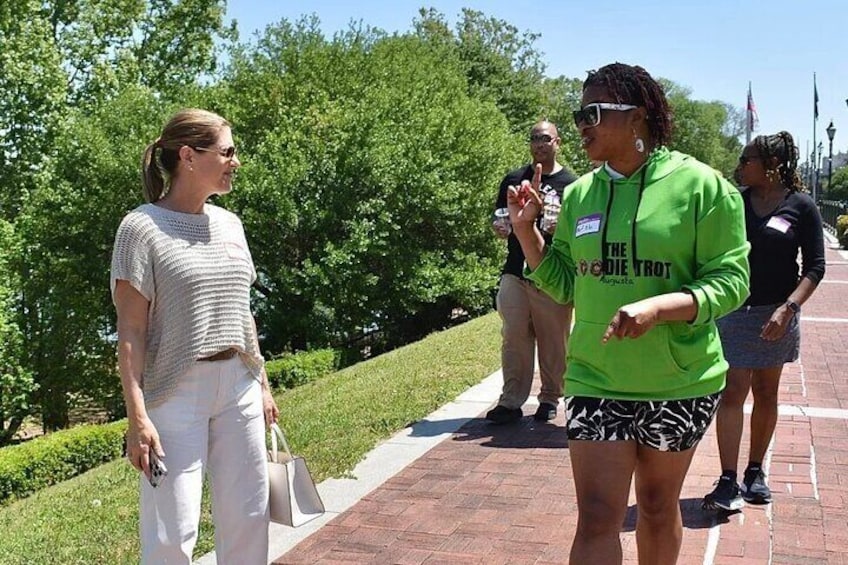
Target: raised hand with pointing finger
(524, 201)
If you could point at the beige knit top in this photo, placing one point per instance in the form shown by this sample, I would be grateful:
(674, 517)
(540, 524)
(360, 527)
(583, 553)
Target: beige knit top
(196, 271)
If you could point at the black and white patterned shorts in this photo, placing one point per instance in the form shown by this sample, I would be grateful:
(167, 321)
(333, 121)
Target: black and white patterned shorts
(668, 425)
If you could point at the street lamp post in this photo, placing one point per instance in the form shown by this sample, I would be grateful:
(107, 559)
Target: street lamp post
(811, 172)
(831, 131)
(817, 172)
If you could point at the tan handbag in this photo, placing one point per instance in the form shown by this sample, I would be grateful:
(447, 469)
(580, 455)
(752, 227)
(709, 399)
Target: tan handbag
(294, 500)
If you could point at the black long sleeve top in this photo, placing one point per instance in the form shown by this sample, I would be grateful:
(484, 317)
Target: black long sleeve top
(775, 241)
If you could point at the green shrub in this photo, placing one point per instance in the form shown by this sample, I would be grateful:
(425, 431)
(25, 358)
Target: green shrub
(295, 369)
(51, 459)
(842, 230)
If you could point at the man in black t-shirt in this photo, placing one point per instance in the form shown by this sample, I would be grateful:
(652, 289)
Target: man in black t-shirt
(531, 319)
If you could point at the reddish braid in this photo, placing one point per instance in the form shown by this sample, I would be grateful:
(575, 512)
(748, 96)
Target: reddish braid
(782, 147)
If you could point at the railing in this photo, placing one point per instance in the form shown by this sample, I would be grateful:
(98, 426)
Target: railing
(830, 210)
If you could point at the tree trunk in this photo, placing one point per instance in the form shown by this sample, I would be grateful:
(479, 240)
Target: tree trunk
(54, 407)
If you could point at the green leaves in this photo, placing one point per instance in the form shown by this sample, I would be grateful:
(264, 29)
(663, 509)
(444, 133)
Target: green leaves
(839, 189)
(706, 130)
(375, 167)
(16, 382)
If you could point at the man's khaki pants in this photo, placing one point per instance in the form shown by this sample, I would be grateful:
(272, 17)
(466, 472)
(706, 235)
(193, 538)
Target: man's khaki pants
(530, 318)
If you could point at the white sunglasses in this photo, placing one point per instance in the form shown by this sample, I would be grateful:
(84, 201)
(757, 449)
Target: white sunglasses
(590, 114)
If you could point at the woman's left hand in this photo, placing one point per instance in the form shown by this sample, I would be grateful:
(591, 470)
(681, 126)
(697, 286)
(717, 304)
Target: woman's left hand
(269, 407)
(632, 320)
(776, 327)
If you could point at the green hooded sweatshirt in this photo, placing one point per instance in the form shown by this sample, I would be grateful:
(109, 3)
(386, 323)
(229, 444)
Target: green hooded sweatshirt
(688, 234)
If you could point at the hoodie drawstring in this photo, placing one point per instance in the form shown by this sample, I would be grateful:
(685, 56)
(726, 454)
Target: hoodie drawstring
(633, 225)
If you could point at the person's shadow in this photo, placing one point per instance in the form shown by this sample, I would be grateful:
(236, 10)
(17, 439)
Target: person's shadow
(524, 434)
(694, 516)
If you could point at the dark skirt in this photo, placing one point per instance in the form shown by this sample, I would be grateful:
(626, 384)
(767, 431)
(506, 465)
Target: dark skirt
(745, 349)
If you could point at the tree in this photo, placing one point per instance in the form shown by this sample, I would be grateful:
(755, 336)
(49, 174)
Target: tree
(73, 59)
(16, 383)
(560, 97)
(32, 89)
(499, 61)
(371, 179)
(839, 186)
(704, 130)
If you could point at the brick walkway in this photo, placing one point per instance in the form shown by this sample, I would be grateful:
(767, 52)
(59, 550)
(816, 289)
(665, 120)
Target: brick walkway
(497, 495)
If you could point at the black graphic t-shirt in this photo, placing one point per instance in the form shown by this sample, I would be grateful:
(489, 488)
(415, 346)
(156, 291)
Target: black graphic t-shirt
(775, 240)
(514, 264)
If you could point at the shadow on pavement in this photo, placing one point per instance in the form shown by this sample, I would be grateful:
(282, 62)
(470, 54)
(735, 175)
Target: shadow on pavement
(694, 517)
(525, 434)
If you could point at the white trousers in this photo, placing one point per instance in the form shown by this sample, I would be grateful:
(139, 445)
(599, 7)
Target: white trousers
(212, 423)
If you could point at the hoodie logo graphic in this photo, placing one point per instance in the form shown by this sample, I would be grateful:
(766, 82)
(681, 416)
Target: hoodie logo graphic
(588, 224)
(596, 268)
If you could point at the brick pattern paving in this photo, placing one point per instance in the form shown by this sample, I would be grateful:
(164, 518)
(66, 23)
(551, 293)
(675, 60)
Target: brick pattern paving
(504, 495)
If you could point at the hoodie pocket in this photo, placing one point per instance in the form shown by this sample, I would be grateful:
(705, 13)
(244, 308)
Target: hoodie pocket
(642, 365)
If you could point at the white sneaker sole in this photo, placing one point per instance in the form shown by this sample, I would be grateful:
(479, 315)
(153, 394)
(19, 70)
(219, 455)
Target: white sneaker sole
(736, 504)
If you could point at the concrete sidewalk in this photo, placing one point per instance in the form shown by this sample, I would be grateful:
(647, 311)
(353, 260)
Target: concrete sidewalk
(454, 490)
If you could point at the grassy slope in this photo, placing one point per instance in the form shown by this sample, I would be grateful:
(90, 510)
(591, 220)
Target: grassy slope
(333, 422)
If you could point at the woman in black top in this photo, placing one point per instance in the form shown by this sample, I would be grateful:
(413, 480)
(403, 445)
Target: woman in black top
(764, 333)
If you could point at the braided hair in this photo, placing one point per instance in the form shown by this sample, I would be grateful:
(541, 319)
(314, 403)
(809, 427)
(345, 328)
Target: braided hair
(631, 84)
(782, 147)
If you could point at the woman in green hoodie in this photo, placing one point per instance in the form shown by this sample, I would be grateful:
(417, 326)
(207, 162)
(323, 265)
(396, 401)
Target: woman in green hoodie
(651, 249)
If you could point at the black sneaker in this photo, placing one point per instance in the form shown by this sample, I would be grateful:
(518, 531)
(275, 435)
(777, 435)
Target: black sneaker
(754, 487)
(725, 496)
(546, 412)
(503, 415)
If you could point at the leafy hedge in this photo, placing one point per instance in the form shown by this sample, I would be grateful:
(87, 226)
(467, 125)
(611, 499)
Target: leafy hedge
(842, 230)
(295, 369)
(57, 457)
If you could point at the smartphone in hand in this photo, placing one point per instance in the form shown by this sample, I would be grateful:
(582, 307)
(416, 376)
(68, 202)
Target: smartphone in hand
(158, 471)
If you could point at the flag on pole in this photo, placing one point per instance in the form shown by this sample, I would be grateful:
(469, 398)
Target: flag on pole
(753, 121)
(815, 99)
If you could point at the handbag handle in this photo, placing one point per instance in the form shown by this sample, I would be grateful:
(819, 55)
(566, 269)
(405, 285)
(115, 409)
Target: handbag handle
(276, 432)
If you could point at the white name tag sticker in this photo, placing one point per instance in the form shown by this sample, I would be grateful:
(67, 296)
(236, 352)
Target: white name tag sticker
(588, 224)
(235, 250)
(778, 223)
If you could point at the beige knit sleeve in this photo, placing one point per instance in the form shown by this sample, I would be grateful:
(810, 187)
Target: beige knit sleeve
(242, 237)
(131, 257)
(250, 260)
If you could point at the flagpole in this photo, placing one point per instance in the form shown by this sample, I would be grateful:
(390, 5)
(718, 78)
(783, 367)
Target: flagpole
(807, 155)
(749, 115)
(815, 119)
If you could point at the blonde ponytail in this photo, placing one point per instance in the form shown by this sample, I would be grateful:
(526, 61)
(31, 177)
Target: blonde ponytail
(153, 183)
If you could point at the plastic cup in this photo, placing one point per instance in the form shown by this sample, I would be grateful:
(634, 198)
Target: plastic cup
(501, 222)
(550, 216)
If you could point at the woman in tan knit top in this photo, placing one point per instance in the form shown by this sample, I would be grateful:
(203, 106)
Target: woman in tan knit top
(194, 384)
